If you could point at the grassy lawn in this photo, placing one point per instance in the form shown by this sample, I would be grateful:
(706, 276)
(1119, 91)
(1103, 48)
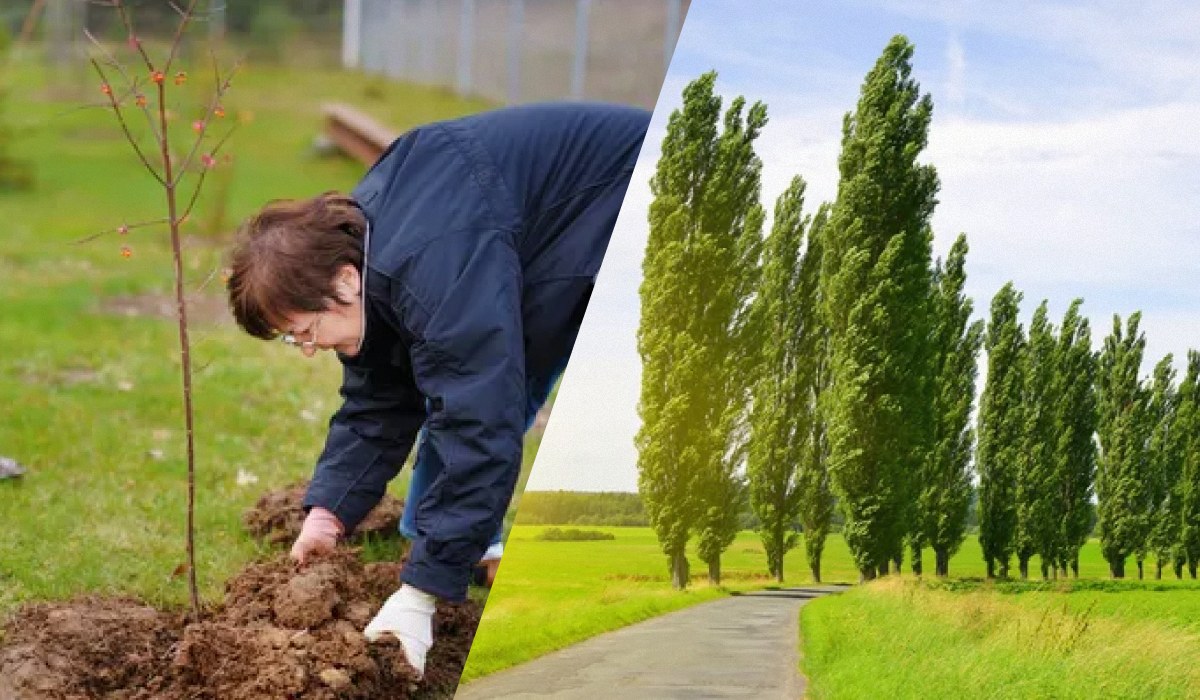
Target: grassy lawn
(86, 395)
(553, 594)
(973, 640)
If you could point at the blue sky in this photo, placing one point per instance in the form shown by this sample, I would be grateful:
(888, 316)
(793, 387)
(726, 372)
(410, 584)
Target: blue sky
(1065, 136)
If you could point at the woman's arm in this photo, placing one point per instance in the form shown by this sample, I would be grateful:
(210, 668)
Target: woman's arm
(369, 438)
(461, 297)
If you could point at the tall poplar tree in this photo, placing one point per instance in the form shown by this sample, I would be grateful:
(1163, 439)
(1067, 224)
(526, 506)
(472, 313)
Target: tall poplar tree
(1075, 426)
(816, 496)
(1189, 483)
(1036, 503)
(782, 413)
(1001, 426)
(668, 461)
(945, 494)
(724, 258)
(875, 293)
(701, 269)
(1165, 467)
(1122, 478)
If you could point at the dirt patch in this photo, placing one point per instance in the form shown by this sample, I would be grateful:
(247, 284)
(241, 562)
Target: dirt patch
(278, 516)
(281, 634)
(204, 308)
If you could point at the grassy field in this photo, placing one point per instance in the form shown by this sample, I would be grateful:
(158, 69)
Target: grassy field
(89, 397)
(553, 594)
(1093, 639)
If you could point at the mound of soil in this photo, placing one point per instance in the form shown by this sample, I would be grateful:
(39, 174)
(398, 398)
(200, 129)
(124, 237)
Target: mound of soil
(278, 516)
(282, 633)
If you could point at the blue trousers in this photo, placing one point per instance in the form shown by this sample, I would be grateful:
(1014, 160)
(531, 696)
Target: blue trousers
(428, 465)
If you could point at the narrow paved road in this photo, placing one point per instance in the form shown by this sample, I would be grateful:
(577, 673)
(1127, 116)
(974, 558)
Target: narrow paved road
(744, 646)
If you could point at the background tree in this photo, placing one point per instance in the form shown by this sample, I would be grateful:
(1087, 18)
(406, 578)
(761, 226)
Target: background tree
(1164, 468)
(945, 495)
(1075, 426)
(782, 415)
(1036, 505)
(723, 255)
(875, 290)
(668, 460)
(816, 495)
(1001, 428)
(700, 272)
(1189, 485)
(1122, 481)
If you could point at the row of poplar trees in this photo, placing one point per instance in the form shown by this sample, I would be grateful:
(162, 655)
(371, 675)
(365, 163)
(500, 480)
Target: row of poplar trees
(832, 358)
(832, 364)
(1061, 423)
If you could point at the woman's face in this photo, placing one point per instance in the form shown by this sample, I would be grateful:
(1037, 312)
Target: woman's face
(339, 327)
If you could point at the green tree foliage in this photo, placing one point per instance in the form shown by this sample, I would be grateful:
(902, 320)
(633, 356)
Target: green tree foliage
(780, 415)
(700, 272)
(875, 291)
(783, 468)
(581, 508)
(1075, 427)
(1001, 429)
(1165, 463)
(1122, 478)
(816, 495)
(1037, 531)
(945, 494)
(1189, 485)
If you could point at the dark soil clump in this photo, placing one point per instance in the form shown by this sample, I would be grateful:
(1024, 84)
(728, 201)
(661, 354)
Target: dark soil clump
(278, 516)
(282, 633)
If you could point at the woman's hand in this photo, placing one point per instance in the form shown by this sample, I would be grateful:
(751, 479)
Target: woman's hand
(319, 534)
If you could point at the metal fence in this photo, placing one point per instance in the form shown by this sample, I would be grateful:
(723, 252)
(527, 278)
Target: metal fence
(519, 50)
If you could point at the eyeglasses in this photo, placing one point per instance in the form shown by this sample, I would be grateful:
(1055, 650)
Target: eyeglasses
(289, 339)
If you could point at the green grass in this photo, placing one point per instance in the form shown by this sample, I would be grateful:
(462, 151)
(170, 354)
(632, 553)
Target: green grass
(95, 513)
(1086, 639)
(550, 595)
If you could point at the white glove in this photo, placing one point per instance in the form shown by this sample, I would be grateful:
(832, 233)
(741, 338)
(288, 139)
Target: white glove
(408, 615)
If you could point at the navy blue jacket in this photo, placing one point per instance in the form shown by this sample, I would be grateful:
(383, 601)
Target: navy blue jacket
(486, 234)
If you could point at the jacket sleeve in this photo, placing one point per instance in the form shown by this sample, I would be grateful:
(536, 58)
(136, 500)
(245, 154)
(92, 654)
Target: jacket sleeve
(369, 438)
(462, 299)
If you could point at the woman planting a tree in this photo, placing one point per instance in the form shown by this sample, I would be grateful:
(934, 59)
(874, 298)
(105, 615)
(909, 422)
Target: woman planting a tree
(451, 283)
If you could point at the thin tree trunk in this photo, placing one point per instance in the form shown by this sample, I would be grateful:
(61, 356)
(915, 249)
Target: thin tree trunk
(991, 568)
(1045, 571)
(815, 566)
(1141, 572)
(1158, 573)
(1117, 568)
(1023, 564)
(918, 563)
(714, 571)
(679, 571)
(941, 563)
(1004, 569)
(1192, 568)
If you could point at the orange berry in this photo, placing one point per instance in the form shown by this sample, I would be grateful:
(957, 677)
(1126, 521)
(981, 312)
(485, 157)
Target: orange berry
(198, 126)
(157, 77)
(219, 112)
(126, 252)
(122, 229)
(180, 78)
(106, 89)
(141, 100)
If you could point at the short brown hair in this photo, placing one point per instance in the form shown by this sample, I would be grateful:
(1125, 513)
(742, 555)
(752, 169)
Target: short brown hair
(286, 258)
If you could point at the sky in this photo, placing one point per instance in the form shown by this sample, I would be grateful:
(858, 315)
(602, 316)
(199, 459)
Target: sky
(1064, 136)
